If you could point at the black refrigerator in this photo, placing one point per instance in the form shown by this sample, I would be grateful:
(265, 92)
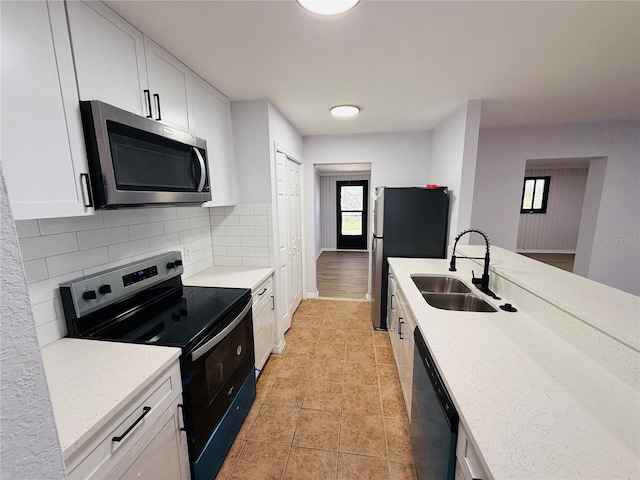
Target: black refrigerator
(407, 222)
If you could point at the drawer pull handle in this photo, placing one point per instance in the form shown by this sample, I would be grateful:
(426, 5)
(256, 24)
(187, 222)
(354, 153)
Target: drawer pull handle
(273, 302)
(262, 292)
(181, 407)
(144, 413)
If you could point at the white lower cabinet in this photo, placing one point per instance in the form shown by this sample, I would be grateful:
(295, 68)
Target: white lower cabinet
(42, 147)
(468, 466)
(264, 315)
(143, 440)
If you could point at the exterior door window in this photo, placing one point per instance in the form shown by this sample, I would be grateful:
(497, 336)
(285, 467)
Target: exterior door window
(352, 202)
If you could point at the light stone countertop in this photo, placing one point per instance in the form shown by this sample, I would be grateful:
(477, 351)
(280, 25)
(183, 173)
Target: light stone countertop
(233, 277)
(90, 381)
(535, 406)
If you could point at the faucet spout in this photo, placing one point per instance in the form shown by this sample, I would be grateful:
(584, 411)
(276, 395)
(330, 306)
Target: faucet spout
(483, 282)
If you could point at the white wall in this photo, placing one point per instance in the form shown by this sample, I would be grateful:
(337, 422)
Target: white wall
(397, 159)
(29, 443)
(453, 162)
(502, 155)
(328, 207)
(317, 240)
(557, 229)
(56, 250)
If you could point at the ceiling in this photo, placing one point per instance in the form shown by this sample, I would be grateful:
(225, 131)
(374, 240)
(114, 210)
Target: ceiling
(409, 64)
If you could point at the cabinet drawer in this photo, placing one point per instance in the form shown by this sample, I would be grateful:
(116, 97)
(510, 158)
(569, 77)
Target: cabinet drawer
(262, 296)
(467, 459)
(100, 454)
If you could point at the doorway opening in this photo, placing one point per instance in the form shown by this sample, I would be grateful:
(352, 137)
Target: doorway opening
(351, 201)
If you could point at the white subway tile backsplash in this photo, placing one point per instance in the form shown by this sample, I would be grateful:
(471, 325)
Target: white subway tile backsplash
(241, 251)
(142, 256)
(244, 231)
(202, 243)
(253, 220)
(71, 262)
(255, 262)
(44, 312)
(190, 235)
(36, 270)
(218, 231)
(260, 209)
(164, 241)
(120, 218)
(216, 211)
(225, 241)
(172, 226)
(245, 209)
(203, 264)
(225, 221)
(228, 261)
(254, 242)
(190, 212)
(45, 246)
(129, 249)
(102, 237)
(199, 222)
(160, 214)
(27, 228)
(50, 226)
(261, 231)
(146, 230)
(51, 331)
(219, 251)
(49, 289)
(105, 266)
(262, 252)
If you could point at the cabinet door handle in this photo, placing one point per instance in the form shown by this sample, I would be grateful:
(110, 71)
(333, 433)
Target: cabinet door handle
(156, 97)
(203, 169)
(86, 190)
(273, 302)
(400, 323)
(392, 297)
(147, 94)
(144, 413)
(181, 407)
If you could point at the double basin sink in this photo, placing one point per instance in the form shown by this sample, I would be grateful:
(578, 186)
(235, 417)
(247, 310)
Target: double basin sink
(448, 293)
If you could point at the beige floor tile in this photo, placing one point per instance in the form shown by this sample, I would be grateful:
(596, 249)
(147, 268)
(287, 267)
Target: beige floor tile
(307, 464)
(360, 323)
(360, 309)
(398, 440)
(318, 429)
(336, 321)
(358, 373)
(360, 337)
(311, 307)
(329, 371)
(323, 395)
(384, 355)
(332, 335)
(402, 470)
(275, 424)
(230, 462)
(263, 386)
(381, 339)
(261, 461)
(393, 402)
(286, 391)
(362, 399)
(357, 467)
(296, 367)
(273, 364)
(330, 351)
(388, 376)
(362, 434)
(298, 348)
(304, 334)
(249, 421)
(338, 307)
(360, 353)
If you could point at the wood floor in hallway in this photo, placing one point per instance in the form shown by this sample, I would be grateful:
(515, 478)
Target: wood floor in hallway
(329, 408)
(343, 274)
(564, 261)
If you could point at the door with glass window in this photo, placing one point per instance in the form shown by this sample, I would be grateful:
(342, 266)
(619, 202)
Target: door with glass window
(352, 196)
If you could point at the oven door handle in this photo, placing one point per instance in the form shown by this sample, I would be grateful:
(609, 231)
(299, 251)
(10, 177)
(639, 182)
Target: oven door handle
(200, 351)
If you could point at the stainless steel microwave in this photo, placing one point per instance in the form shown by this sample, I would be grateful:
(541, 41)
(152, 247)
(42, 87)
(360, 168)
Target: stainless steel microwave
(134, 161)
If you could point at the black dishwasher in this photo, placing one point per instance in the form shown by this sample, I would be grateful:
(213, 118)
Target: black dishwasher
(434, 419)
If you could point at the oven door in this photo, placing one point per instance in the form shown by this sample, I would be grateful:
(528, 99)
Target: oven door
(213, 373)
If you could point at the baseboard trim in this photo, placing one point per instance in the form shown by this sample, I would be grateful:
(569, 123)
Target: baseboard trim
(312, 294)
(279, 347)
(567, 252)
(342, 250)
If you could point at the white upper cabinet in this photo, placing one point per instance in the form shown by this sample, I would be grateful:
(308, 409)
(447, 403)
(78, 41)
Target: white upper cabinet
(42, 153)
(168, 80)
(212, 122)
(117, 64)
(109, 57)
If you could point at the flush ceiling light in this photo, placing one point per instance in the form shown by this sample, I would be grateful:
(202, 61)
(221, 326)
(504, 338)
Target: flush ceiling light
(328, 7)
(345, 110)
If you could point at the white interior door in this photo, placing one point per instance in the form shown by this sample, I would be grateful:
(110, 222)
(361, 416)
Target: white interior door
(289, 235)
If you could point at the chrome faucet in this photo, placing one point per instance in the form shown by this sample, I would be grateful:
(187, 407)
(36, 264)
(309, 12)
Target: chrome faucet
(483, 282)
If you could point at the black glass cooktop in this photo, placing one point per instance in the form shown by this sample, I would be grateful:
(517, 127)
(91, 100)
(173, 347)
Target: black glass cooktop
(168, 314)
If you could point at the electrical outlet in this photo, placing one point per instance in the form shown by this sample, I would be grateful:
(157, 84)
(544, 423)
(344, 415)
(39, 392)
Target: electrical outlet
(186, 253)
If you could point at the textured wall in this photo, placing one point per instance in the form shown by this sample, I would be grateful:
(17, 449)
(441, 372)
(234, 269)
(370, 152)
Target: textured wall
(28, 439)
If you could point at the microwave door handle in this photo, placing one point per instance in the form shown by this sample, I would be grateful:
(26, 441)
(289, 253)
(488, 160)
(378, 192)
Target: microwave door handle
(200, 351)
(203, 169)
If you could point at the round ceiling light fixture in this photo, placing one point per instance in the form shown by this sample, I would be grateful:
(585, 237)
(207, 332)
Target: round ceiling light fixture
(328, 8)
(345, 110)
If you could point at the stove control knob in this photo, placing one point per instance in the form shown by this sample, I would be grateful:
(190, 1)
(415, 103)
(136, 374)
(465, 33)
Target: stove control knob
(171, 265)
(104, 289)
(178, 263)
(89, 295)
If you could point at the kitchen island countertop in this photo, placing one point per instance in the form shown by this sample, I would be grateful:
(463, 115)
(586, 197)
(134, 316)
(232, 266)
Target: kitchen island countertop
(536, 405)
(233, 277)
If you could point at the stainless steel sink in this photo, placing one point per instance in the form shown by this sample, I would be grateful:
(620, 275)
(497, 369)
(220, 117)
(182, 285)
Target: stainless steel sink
(439, 284)
(460, 302)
